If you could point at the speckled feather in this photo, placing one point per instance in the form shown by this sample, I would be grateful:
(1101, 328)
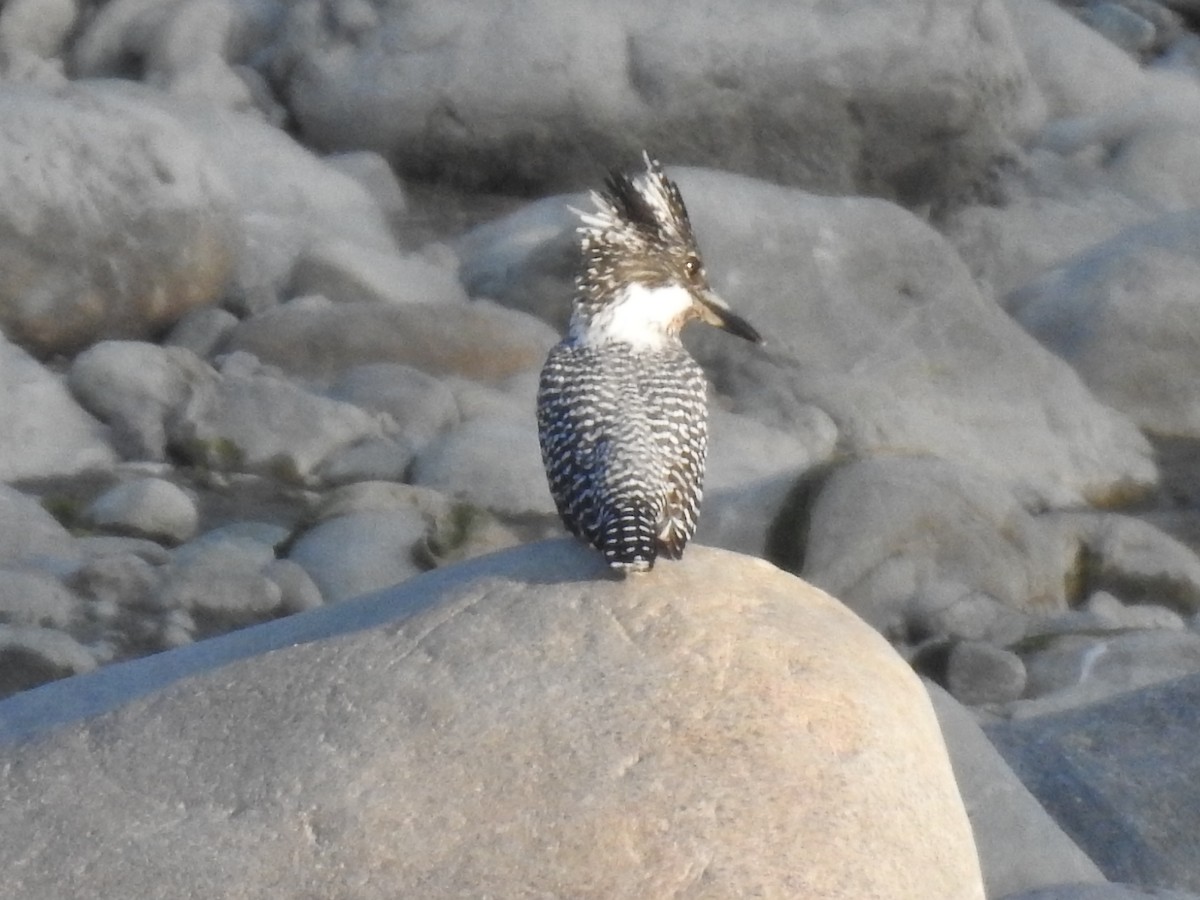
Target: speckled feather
(624, 438)
(622, 407)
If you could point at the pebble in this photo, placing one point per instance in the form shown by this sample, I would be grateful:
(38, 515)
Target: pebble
(979, 673)
(361, 552)
(136, 387)
(202, 331)
(1121, 25)
(1112, 613)
(298, 592)
(149, 507)
(371, 459)
(31, 655)
(30, 597)
(263, 424)
(119, 579)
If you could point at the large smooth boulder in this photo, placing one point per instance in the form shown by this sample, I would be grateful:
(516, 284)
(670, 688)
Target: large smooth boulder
(845, 98)
(286, 200)
(1114, 312)
(114, 222)
(889, 533)
(524, 724)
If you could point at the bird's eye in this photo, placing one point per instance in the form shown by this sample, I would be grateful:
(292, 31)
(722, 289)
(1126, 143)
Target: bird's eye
(693, 268)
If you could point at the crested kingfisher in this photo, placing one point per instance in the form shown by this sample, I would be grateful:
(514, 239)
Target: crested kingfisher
(622, 406)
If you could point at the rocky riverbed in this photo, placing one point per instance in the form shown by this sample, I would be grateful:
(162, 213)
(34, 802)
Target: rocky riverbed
(276, 281)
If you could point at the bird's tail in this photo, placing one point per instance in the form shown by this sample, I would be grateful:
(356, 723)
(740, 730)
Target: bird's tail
(629, 539)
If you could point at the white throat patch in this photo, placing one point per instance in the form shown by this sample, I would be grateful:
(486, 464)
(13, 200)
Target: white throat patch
(639, 316)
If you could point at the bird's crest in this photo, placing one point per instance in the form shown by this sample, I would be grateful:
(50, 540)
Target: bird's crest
(646, 207)
(639, 231)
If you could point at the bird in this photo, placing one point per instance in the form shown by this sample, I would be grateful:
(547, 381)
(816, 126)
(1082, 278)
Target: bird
(622, 406)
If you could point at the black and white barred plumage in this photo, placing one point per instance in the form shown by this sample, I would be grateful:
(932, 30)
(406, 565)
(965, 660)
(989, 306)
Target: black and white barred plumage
(622, 410)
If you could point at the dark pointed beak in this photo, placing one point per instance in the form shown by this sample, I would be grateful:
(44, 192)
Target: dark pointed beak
(715, 311)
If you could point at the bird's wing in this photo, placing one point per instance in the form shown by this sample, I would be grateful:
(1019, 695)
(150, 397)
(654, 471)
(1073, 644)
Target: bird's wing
(682, 436)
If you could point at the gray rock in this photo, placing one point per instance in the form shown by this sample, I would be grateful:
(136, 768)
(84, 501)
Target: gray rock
(298, 592)
(45, 433)
(361, 552)
(31, 655)
(1112, 613)
(263, 424)
(372, 459)
(421, 405)
(1133, 559)
(202, 331)
(1122, 778)
(222, 586)
(147, 507)
(124, 606)
(178, 629)
(80, 167)
(1127, 345)
(478, 340)
(750, 472)
(453, 531)
(286, 198)
(375, 176)
(135, 387)
(119, 579)
(348, 273)
(949, 610)
(1152, 165)
(98, 546)
(492, 463)
(1054, 208)
(1020, 846)
(601, 84)
(497, 699)
(248, 546)
(30, 597)
(1076, 70)
(29, 534)
(1073, 670)
(1118, 23)
(257, 539)
(182, 47)
(512, 399)
(883, 532)
(897, 345)
(978, 673)
(1100, 892)
(1169, 27)
(526, 259)
(36, 27)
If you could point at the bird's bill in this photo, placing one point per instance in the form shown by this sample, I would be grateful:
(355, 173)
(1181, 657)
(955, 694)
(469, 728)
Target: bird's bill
(714, 311)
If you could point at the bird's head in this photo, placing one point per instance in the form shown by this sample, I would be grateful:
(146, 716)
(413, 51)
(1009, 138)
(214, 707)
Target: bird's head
(642, 278)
